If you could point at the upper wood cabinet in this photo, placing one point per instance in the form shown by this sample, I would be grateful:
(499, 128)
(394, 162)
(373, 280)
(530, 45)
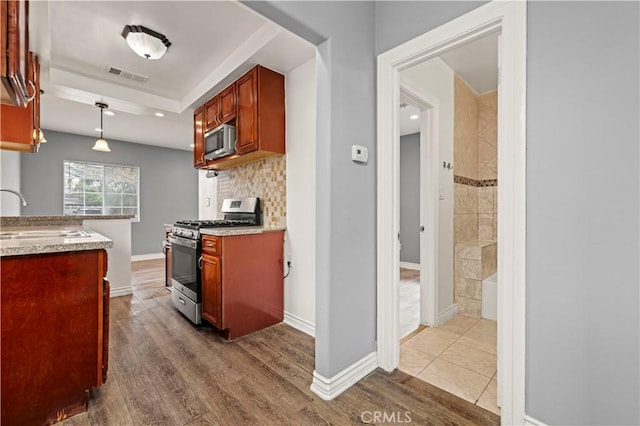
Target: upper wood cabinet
(255, 102)
(16, 89)
(198, 137)
(20, 126)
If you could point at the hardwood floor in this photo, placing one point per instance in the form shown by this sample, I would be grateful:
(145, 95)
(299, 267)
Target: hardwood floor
(165, 371)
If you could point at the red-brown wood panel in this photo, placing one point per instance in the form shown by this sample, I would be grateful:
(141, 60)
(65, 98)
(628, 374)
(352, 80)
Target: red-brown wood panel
(247, 119)
(271, 111)
(51, 334)
(211, 290)
(212, 114)
(228, 104)
(198, 138)
(252, 282)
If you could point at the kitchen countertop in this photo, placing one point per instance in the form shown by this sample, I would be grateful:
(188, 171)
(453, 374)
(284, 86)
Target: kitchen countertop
(240, 230)
(18, 247)
(55, 220)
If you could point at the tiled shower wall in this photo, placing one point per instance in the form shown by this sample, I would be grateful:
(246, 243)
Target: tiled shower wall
(265, 179)
(475, 184)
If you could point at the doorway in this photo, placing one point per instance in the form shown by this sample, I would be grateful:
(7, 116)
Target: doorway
(509, 19)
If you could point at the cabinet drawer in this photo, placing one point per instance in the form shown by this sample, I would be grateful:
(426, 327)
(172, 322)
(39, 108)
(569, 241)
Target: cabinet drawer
(212, 245)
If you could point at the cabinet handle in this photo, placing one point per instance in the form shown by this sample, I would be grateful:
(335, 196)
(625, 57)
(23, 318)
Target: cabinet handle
(182, 300)
(200, 263)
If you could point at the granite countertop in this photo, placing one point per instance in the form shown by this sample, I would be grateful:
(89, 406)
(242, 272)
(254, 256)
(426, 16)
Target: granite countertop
(90, 240)
(55, 220)
(240, 230)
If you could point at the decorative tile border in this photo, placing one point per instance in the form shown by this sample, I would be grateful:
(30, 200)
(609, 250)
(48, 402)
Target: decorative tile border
(474, 182)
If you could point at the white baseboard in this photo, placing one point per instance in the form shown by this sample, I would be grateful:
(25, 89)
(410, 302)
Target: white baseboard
(121, 291)
(150, 256)
(301, 324)
(448, 313)
(409, 265)
(329, 388)
(530, 421)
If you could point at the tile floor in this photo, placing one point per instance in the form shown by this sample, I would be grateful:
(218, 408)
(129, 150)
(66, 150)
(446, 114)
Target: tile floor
(459, 357)
(409, 301)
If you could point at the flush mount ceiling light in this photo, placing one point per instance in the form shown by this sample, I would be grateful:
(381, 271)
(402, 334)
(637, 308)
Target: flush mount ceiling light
(414, 117)
(146, 43)
(159, 114)
(101, 144)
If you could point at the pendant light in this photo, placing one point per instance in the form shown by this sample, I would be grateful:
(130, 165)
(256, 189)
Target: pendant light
(101, 144)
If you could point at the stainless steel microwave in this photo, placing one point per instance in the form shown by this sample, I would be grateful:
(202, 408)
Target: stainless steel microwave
(220, 142)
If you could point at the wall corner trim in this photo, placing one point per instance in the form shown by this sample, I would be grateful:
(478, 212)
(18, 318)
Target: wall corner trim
(121, 291)
(410, 265)
(329, 388)
(530, 421)
(447, 313)
(150, 256)
(300, 324)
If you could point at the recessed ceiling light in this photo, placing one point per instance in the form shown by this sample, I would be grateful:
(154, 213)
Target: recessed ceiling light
(110, 113)
(159, 114)
(191, 145)
(98, 129)
(414, 116)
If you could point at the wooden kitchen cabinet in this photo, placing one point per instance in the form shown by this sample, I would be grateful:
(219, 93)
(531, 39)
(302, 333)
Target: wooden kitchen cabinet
(14, 58)
(54, 334)
(198, 138)
(256, 102)
(242, 285)
(20, 126)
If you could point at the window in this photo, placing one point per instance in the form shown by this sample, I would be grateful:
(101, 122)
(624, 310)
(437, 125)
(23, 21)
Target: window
(101, 189)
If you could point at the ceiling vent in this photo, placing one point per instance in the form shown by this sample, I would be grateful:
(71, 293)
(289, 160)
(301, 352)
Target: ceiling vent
(127, 74)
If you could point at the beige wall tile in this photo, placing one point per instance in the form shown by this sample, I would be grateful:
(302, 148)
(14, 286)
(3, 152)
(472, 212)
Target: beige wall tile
(489, 260)
(465, 130)
(485, 199)
(265, 179)
(470, 307)
(465, 199)
(485, 226)
(469, 288)
(465, 227)
(495, 227)
(454, 379)
(464, 251)
(467, 268)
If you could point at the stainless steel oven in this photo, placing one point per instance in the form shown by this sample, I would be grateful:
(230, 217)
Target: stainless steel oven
(185, 276)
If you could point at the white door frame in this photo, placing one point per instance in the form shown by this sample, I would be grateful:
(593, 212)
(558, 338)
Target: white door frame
(429, 109)
(508, 18)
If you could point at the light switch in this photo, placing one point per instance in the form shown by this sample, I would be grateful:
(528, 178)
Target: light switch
(359, 154)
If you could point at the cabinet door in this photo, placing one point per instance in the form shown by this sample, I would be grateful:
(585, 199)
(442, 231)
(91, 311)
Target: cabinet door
(198, 138)
(212, 290)
(212, 114)
(247, 119)
(14, 38)
(106, 298)
(227, 104)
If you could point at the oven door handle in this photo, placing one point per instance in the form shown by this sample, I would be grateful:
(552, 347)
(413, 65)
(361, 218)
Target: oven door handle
(200, 263)
(185, 242)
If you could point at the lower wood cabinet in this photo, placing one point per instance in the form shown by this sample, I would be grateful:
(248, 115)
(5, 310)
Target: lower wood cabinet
(54, 334)
(242, 282)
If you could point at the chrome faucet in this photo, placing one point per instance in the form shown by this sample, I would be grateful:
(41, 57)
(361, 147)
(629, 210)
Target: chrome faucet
(24, 201)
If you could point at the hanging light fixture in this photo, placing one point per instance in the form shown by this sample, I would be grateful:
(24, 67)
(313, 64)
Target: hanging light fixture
(146, 43)
(101, 144)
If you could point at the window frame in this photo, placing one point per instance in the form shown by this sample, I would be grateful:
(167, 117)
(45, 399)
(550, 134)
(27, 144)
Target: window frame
(102, 165)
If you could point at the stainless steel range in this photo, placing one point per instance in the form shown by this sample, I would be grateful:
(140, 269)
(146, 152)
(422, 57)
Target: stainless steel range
(186, 290)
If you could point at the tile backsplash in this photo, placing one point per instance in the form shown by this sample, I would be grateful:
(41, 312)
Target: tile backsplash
(265, 179)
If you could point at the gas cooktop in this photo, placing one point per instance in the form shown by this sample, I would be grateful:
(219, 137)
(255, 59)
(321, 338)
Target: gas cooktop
(220, 223)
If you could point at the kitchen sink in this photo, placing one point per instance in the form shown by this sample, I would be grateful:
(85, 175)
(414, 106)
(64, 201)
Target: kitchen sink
(23, 235)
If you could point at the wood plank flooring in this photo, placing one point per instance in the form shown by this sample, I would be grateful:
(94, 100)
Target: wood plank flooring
(165, 371)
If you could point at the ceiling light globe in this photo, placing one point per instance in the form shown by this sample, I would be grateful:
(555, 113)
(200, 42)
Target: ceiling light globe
(101, 145)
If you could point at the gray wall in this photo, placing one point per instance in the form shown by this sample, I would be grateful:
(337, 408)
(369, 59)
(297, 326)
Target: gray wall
(582, 202)
(410, 198)
(345, 191)
(168, 182)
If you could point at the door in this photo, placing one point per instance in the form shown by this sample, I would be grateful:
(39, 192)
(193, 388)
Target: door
(247, 121)
(184, 267)
(212, 113)
(227, 104)
(212, 290)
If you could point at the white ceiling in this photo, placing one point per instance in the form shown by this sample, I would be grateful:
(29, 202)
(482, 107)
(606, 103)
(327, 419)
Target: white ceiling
(476, 63)
(213, 43)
